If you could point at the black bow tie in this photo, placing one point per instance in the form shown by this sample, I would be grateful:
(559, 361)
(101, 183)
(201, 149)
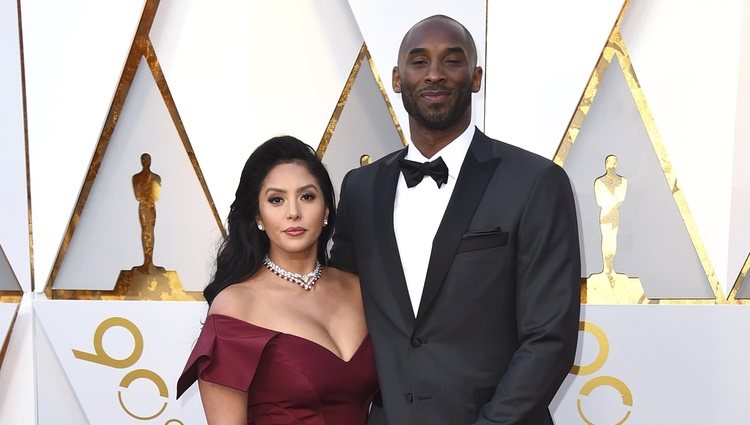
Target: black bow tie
(414, 171)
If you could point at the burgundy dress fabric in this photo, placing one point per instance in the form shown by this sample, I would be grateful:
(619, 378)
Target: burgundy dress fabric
(289, 380)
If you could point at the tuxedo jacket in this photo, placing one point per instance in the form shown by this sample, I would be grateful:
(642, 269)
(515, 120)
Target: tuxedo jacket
(496, 330)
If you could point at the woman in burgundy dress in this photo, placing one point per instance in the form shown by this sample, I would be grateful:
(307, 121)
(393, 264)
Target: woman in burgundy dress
(285, 340)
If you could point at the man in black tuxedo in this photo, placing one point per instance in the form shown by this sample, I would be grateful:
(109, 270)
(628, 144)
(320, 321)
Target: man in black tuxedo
(467, 252)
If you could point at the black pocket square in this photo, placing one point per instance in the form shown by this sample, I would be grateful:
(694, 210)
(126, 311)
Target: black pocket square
(476, 233)
(483, 239)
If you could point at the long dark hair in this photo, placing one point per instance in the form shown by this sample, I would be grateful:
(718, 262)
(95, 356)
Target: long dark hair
(242, 251)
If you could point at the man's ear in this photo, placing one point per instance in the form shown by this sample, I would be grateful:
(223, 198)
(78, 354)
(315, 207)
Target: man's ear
(396, 79)
(476, 79)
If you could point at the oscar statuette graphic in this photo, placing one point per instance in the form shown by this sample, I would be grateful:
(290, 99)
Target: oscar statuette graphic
(149, 281)
(147, 187)
(610, 190)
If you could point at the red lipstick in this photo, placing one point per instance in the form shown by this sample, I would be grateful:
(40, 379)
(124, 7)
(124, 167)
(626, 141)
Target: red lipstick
(295, 230)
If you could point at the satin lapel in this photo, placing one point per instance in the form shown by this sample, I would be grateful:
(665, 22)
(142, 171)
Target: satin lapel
(476, 171)
(385, 196)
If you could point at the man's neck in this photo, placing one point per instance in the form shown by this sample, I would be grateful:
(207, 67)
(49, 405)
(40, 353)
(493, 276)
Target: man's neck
(429, 142)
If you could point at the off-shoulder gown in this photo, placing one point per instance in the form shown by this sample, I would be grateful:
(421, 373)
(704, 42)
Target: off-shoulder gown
(290, 380)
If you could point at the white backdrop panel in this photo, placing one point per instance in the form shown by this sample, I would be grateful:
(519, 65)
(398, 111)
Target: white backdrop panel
(56, 399)
(264, 69)
(166, 331)
(689, 75)
(739, 224)
(683, 365)
(540, 55)
(384, 24)
(7, 313)
(74, 52)
(17, 375)
(14, 223)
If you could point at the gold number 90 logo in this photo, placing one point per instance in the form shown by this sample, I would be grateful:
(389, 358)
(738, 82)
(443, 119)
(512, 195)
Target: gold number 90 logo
(101, 357)
(600, 381)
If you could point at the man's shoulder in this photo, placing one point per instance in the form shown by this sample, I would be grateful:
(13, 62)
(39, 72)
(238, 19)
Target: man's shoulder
(365, 178)
(371, 169)
(387, 159)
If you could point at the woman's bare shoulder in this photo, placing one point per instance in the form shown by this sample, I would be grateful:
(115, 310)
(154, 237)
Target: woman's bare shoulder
(235, 300)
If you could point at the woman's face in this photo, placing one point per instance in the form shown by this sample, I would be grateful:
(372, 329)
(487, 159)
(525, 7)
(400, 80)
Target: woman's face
(291, 209)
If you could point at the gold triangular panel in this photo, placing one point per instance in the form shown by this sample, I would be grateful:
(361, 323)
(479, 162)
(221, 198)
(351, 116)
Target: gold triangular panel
(741, 291)
(363, 127)
(114, 247)
(651, 240)
(146, 210)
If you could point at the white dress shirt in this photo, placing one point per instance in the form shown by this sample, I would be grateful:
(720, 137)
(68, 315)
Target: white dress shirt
(418, 210)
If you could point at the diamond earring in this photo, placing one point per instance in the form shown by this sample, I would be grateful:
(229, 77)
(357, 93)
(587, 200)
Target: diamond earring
(325, 222)
(260, 227)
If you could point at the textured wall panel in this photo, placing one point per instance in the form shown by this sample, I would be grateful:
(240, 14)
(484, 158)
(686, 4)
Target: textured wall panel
(264, 69)
(18, 374)
(74, 53)
(739, 223)
(140, 336)
(540, 55)
(665, 357)
(689, 74)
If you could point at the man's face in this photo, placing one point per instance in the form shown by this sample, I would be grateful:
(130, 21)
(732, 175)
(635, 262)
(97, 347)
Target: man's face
(437, 75)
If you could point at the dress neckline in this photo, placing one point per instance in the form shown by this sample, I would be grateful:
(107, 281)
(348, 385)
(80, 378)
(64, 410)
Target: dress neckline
(309, 341)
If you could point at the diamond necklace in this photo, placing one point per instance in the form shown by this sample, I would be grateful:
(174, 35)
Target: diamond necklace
(306, 281)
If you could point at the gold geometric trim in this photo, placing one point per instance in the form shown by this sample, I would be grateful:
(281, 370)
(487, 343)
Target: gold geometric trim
(121, 93)
(364, 53)
(387, 100)
(589, 92)
(11, 296)
(6, 342)
(26, 145)
(138, 284)
(738, 284)
(161, 82)
(146, 282)
(615, 46)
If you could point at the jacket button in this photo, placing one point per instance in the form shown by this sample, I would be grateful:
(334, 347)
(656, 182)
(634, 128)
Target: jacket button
(416, 342)
(409, 397)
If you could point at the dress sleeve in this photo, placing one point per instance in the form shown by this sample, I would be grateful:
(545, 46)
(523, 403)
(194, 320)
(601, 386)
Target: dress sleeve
(227, 353)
